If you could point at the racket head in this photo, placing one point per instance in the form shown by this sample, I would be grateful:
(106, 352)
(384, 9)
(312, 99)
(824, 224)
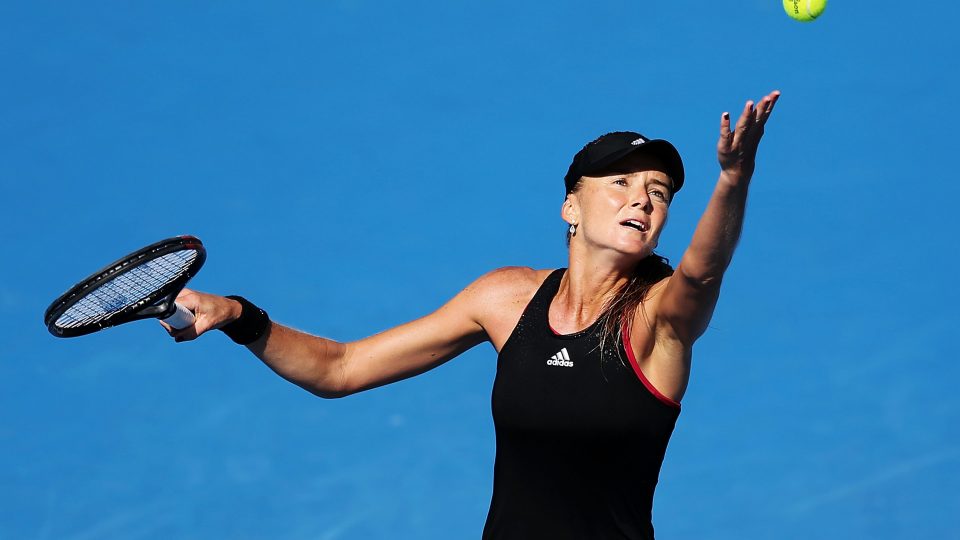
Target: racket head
(140, 285)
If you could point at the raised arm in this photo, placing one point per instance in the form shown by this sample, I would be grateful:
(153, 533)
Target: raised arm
(332, 369)
(690, 295)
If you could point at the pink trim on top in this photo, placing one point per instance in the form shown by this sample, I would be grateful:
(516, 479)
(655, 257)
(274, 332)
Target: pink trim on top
(552, 330)
(636, 368)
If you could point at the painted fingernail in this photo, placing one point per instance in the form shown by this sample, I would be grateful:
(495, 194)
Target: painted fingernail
(726, 115)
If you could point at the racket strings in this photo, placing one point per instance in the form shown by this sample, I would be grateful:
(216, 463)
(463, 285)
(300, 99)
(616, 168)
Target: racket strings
(128, 289)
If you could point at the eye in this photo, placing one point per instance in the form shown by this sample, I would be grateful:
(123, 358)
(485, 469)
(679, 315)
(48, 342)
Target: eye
(657, 193)
(620, 181)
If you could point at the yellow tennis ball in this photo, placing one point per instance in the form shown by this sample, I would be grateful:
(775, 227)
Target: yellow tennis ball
(804, 10)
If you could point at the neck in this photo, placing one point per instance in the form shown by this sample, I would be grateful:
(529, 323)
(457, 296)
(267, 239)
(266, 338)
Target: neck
(588, 285)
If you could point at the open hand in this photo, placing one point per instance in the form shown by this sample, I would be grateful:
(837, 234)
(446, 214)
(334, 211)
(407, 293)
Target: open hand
(737, 149)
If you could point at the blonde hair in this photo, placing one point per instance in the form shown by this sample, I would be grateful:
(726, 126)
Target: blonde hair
(622, 307)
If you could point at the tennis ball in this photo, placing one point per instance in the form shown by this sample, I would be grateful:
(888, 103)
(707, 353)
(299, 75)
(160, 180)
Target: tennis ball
(804, 10)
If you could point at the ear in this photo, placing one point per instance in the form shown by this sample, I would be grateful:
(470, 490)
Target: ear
(570, 211)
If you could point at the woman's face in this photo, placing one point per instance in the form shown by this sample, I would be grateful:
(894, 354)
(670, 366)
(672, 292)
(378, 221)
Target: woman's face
(624, 209)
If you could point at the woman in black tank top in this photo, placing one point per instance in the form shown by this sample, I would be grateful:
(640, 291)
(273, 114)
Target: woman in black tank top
(580, 434)
(593, 359)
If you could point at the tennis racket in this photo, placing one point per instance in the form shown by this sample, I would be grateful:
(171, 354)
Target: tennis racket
(141, 285)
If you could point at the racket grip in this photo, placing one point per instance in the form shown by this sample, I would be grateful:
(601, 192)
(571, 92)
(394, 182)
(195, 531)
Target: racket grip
(181, 318)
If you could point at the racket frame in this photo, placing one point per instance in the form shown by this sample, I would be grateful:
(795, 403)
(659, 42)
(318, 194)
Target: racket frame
(159, 304)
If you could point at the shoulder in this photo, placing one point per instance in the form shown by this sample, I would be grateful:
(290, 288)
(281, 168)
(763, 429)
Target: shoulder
(512, 276)
(499, 297)
(505, 291)
(501, 288)
(508, 283)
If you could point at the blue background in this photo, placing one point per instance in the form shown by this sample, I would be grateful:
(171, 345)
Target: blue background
(351, 165)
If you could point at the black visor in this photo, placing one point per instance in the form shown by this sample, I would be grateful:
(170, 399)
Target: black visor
(606, 150)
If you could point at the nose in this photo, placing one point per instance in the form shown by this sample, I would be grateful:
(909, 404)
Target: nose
(641, 200)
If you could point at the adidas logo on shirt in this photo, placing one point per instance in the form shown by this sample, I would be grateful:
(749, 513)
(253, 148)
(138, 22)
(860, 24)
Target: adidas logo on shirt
(561, 359)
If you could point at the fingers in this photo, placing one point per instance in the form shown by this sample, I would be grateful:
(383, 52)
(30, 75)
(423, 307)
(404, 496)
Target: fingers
(737, 148)
(755, 116)
(725, 124)
(746, 117)
(184, 334)
(725, 134)
(743, 123)
(765, 107)
(200, 326)
(750, 116)
(210, 311)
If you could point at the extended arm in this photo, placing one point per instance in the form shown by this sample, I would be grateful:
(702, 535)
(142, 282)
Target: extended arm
(332, 369)
(690, 295)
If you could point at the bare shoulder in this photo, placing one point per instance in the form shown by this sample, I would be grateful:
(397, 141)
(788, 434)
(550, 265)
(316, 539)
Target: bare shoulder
(509, 281)
(500, 297)
(505, 287)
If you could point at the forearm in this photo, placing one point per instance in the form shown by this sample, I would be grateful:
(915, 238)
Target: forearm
(315, 364)
(718, 231)
(331, 369)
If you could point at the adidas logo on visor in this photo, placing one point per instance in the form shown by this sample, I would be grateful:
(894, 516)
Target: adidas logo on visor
(639, 141)
(561, 359)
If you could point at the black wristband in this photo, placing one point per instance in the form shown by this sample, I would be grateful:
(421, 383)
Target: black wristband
(250, 326)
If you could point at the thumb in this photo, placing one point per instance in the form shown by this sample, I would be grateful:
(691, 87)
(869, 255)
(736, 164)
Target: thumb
(189, 299)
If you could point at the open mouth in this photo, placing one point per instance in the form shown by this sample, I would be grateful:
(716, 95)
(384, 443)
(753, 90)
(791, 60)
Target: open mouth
(634, 224)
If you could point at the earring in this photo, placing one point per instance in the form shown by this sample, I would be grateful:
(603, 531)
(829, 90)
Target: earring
(573, 229)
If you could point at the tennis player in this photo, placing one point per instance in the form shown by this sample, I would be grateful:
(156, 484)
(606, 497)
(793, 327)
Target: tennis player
(593, 359)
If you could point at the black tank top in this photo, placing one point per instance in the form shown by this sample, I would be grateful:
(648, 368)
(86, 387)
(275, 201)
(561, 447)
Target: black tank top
(580, 438)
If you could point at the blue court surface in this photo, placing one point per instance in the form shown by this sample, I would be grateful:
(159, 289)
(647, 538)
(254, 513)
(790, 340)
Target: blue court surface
(351, 165)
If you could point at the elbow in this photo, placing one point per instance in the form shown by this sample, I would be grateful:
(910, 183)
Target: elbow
(330, 394)
(341, 391)
(327, 390)
(332, 391)
(322, 389)
(329, 380)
